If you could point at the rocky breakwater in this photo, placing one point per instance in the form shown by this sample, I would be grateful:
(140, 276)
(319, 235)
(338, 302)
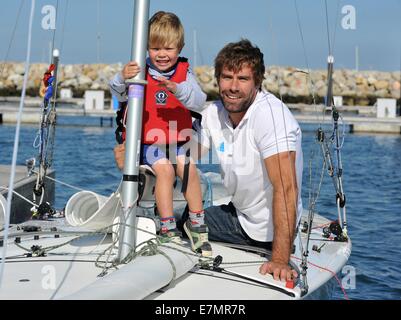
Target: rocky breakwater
(294, 85)
(77, 77)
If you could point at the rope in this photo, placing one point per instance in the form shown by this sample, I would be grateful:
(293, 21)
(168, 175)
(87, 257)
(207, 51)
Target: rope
(54, 31)
(313, 193)
(331, 44)
(11, 39)
(63, 183)
(59, 181)
(63, 27)
(16, 140)
(327, 27)
(312, 86)
(21, 196)
(333, 274)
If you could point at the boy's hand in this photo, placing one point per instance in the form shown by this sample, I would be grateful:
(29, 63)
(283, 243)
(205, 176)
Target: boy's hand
(170, 85)
(130, 70)
(119, 155)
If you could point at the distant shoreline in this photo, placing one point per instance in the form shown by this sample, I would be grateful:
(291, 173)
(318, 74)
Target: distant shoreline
(360, 88)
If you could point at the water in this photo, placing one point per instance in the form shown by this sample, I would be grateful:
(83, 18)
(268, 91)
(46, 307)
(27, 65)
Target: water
(83, 157)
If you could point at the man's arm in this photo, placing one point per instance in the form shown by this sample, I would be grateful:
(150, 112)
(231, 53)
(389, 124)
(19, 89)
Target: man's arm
(119, 155)
(281, 171)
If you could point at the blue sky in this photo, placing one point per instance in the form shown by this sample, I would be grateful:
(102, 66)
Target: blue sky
(270, 24)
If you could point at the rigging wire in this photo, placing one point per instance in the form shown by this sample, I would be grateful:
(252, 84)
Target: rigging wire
(311, 84)
(16, 140)
(327, 162)
(11, 39)
(63, 27)
(331, 44)
(47, 128)
(54, 31)
(327, 28)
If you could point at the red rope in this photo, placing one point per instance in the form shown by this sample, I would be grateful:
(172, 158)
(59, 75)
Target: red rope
(332, 272)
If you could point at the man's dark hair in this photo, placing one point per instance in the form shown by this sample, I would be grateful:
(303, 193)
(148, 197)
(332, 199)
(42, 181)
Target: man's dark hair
(235, 55)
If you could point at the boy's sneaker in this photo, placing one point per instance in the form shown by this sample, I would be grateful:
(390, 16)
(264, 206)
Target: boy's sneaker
(199, 238)
(173, 235)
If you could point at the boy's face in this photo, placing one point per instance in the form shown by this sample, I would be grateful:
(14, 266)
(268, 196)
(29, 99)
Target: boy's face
(163, 57)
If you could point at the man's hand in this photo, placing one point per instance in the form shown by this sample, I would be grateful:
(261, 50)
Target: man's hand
(280, 271)
(119, 155)
(169, 85)
(130, 70)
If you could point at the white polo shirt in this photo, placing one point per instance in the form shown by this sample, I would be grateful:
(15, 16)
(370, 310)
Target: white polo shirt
(267, 128)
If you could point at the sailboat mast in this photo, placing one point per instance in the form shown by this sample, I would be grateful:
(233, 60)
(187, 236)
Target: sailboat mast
(329, 98)
(134, 127)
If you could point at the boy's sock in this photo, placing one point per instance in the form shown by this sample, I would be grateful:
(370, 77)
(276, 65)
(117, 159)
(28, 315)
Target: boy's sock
(167, 223)
(197, 218)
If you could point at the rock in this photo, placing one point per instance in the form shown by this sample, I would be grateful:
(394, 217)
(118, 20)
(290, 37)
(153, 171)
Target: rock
(69, 72)
(298, 87)
(395, 94)
(84, 81)
(381, 84)
(204, 78)
(382, 93)
(271, 86)
(19, 69)
(320, 84)
(16, 80)
(396, 85)
(371, 80)
(71, 83)
(396, 75)
(95, 86)
(291, 82)
(283, 91)
(360, 80)
(348, 93)
(362, 102)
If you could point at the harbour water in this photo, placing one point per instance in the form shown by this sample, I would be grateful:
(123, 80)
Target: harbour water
(83, 157)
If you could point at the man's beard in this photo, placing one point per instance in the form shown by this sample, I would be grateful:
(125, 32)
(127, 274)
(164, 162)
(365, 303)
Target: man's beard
(237, 108)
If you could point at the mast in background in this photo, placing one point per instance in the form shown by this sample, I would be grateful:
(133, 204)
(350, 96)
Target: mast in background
(329, 97)
(356, 58)
(98, 36)
(195, 48)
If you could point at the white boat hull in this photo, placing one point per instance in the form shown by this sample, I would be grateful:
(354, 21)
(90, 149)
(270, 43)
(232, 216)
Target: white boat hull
(70, 272)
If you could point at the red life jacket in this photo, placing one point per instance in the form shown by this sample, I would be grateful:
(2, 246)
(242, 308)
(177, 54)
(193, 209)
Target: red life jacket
(165, 119)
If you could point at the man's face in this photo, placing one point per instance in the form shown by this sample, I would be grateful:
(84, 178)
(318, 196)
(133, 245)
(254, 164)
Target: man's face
(237, 89)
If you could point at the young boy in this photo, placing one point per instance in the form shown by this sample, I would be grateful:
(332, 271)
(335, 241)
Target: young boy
(171, 92)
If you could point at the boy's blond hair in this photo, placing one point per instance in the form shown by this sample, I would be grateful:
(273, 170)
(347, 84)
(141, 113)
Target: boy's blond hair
(165, 29)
